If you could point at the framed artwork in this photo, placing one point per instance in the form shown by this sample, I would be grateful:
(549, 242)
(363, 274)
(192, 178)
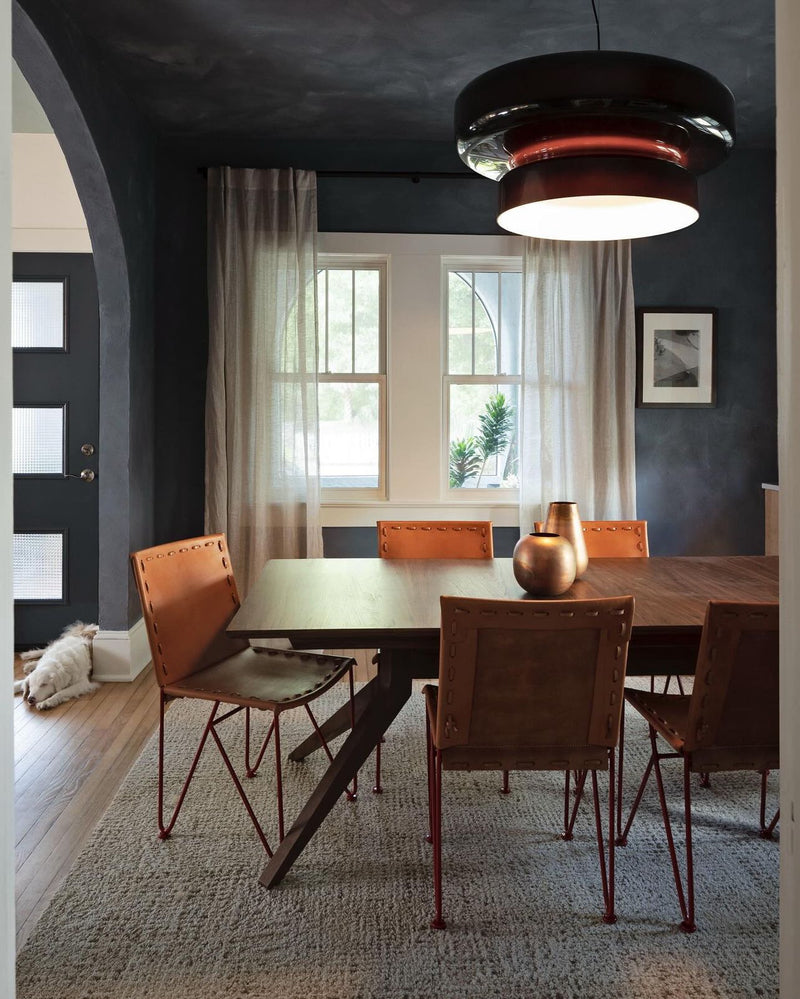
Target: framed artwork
(676, 356)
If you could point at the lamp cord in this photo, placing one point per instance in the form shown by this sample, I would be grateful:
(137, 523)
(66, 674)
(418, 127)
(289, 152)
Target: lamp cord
(597, 24)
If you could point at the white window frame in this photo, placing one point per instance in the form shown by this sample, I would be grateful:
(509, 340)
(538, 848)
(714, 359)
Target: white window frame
(500, 265)
(379, 262)
(415, 480)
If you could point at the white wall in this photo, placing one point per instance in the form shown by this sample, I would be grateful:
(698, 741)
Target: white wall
(788, 221)
(7, 934)
(46, 215)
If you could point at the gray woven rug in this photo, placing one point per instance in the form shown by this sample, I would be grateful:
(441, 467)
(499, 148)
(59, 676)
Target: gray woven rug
(187, 919)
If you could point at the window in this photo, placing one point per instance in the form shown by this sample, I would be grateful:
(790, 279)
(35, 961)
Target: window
(482, 333)
(448, 345)
(351, 296)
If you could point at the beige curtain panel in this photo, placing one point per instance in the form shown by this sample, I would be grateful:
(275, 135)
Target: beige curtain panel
(262, 465)
(579, 377)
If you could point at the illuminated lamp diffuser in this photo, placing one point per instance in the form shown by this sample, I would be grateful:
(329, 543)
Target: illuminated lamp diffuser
(595, 145)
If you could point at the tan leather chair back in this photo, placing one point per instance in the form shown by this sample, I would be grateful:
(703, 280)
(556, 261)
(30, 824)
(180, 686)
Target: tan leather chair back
(733, 712)
(435, 539)
(525, 674)
(612, 538)
(188, 594)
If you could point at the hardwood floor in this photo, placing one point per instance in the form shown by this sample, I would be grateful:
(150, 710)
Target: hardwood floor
(69, 763)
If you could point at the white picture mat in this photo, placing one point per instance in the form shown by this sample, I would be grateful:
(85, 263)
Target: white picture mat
(652, 323)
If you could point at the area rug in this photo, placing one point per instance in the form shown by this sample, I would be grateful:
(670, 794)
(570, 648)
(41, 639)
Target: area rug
(187, 919)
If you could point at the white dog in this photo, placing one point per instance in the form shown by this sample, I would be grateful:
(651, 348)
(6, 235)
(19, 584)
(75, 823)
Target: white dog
(61, 670)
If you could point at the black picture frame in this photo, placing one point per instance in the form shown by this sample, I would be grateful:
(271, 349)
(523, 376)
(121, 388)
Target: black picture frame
(676, 357)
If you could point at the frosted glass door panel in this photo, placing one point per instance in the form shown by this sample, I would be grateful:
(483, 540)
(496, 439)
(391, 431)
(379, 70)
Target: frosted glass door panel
(37, 315)
(39, 567)
(38, 440)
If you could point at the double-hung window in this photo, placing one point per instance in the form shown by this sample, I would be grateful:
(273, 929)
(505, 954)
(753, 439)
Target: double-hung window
(351, 302)
(482, 373)
(419, 376)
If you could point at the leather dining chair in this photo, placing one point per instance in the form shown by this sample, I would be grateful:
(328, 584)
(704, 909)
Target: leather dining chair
(528, 685)
(431, 539)
(729, 722)
(188, 595)
(435, 539)
(612, 538)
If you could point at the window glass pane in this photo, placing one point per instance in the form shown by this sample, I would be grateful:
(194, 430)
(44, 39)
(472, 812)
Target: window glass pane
(367, 321)
(38, 440)
(349, 450)
(38, 566)
(459, 315)
(510, 322)
(37, 314)
(340, 321)
(483, 436)
(322, 319)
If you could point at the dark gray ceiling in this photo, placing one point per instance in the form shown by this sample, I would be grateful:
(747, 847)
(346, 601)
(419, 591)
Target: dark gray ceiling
(370, 71)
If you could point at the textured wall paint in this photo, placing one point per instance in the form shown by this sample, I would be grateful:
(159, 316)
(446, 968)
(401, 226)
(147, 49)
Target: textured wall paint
(109, 150)
(699, 471)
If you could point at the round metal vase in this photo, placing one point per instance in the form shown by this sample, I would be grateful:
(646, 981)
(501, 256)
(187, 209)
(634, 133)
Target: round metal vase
(544, 564)
(563, 518)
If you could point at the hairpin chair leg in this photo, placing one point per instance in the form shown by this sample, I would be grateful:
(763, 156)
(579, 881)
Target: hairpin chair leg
(766, 831)
(249, 769)
(377, 787)
(437, 923)
(570, 816)
(430, 762)
(210, 729)
(607, 874)
(617, 829)
(685, 901)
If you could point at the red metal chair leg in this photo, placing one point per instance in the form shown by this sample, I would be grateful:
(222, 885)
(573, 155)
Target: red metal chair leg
(252, 769)
(766, 831)
(687, 910)
(165, 830)
(350, 795)
(622, 839)
(276, 727)
(617, 829)
(606, 872)
(377, 787)
(437, 923)
(569, 818)
(430, 761)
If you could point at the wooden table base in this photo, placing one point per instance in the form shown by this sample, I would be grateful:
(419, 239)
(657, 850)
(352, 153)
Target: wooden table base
(379, 703)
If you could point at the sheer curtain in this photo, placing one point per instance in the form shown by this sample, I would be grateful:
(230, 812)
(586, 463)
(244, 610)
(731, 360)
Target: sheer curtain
(262, 466)
(578, 380)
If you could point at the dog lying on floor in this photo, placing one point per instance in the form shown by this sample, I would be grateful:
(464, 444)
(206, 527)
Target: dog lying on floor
(61, 670)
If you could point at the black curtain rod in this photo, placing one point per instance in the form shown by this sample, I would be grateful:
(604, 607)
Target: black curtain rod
(415, 176)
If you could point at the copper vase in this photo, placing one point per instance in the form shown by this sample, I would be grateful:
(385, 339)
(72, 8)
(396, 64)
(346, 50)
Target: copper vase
(544, 564)
(563, 519)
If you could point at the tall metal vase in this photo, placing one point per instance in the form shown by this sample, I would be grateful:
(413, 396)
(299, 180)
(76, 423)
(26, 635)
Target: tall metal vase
(563, 518)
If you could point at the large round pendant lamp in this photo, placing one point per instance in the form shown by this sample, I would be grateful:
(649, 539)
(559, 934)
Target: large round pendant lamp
(595, 145)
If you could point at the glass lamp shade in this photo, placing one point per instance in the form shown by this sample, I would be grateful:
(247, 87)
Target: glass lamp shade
(595, 145)
(597, 198)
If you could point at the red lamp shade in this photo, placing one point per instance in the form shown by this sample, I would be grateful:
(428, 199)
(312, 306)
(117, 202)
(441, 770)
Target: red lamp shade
(595, 145)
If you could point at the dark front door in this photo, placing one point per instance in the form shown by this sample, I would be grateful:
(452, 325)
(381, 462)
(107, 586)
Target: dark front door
(55, 336)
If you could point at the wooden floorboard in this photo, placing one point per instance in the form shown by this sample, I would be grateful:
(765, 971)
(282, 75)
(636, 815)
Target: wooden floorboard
(69, 764)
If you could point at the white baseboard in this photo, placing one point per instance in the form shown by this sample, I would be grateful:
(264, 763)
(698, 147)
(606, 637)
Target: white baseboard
(118, 656)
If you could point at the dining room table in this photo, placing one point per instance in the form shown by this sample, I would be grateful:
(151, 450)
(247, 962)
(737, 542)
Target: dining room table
(393, 605)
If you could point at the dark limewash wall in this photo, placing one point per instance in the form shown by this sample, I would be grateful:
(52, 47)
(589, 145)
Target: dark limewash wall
(699, 472)
(109, 149)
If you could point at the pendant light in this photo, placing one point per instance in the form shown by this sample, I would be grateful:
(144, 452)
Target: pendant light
(595, 145)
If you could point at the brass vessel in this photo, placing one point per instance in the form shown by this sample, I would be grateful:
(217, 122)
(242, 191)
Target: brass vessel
(544, 564)
(563, 519)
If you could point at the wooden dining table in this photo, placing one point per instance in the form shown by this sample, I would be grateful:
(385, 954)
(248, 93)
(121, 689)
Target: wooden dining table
(393, 605)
